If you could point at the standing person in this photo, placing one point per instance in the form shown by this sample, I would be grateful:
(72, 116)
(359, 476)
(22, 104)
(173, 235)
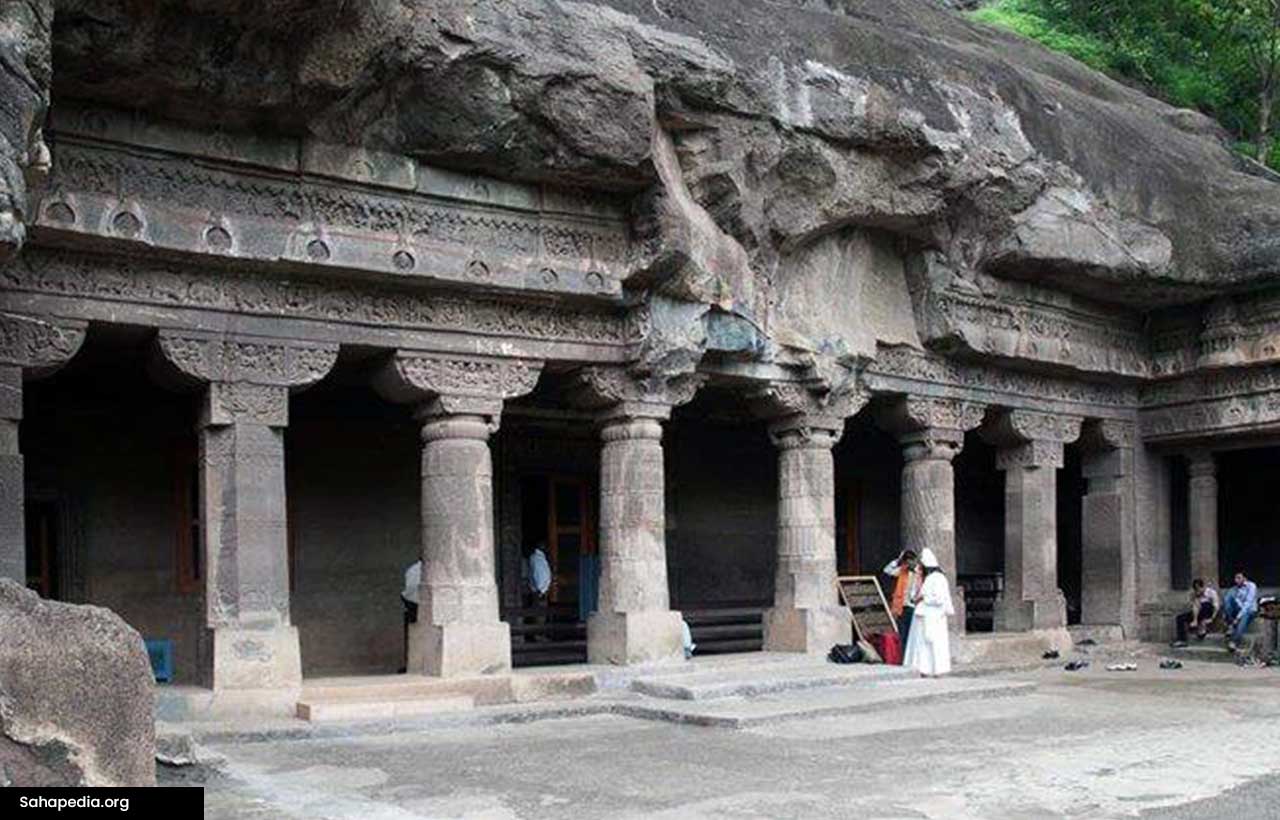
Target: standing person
(1239, 608)
(906, 574)
(1204, 608)
(929, 646)
(537, 573)
(409, 597)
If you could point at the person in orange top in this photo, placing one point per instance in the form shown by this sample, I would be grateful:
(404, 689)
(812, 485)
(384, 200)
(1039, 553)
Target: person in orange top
(906, 586)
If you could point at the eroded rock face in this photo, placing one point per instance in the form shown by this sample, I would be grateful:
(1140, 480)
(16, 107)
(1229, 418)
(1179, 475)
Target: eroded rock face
(746, 134)
(76, 695)
(24, 99)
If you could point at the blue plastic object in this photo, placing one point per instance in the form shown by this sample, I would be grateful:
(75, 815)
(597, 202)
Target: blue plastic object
(160, 651)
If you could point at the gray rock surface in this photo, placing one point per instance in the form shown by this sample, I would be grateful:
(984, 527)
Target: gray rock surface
(24, 99)
(76, 695)
(749, 138)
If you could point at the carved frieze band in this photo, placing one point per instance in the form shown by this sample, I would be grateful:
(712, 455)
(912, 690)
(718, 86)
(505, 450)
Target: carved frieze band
(1108, 434)
(1226, 401)
(194, 205)
(620, 392)
(900, 369)
(29, 342)
(163, 284)
(455, 385)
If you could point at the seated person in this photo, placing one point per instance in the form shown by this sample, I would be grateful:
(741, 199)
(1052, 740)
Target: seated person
(1204, 608)
(1239, 608)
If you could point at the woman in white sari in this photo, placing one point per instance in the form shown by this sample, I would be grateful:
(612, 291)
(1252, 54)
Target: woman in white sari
(928, 644)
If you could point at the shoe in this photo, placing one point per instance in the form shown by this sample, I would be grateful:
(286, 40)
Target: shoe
(1170, 663)
(1050, 655)
(1074, 666)
(1178, 644)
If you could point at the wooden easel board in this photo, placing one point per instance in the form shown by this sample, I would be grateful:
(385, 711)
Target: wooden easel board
(865, 600)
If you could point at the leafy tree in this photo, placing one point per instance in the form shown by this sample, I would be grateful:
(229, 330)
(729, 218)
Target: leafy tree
(1221, 57)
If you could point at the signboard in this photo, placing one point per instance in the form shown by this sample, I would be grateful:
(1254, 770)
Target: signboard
(866, 603)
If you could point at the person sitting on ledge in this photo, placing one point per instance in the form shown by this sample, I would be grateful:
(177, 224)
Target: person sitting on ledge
(1239, 608)
(1204, 608)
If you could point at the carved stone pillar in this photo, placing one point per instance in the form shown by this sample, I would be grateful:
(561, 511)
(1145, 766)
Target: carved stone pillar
(1202, 499)
(634, 622)
(37, 347)
(1109, 591)
(931, 431)
(242, 497)
(1030, 455)
(806, 615)
(459, 631)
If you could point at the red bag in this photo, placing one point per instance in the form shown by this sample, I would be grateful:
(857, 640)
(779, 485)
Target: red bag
(889, 646)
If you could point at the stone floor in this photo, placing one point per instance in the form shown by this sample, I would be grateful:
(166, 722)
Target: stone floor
(1197, 742)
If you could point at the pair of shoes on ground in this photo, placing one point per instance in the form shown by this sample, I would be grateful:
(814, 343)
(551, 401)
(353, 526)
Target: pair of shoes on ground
(1178, 644)
(1170, 663)
(1122, 667)
(1074, 666)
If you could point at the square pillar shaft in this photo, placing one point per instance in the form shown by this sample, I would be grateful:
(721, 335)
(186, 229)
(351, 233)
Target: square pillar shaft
(458, 631)
(13, 534)
(634, 622)
(1202, 517)
(1031, 598)
(246, 553)
(806, 616)
(1109, 559)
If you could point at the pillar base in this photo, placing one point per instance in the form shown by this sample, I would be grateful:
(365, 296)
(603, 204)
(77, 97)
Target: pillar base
(812, 631)
(1022, 616)
(456, 650)
(626, 638)
(261, 659)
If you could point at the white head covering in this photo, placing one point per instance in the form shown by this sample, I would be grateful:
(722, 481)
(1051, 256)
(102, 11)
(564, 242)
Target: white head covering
(928, 560)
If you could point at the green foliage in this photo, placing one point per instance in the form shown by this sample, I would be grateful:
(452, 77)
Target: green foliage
(1211, 55)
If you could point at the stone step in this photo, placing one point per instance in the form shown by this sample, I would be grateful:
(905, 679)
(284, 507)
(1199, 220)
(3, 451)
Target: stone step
(748, 712)
(727, 682)
(381, 709)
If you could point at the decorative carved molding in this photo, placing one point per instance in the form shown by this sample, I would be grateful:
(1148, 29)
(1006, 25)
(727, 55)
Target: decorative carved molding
(1237, 400)
(1108, 434)
(36, 343)
(455, 385)
(231, 402)
(1039, 453)
(1013, 323)
(266, 362)
(190, 204)
(802, 414)
(907, 415)
(620, 392)
(165, 284)
(1030, 439)
(900, 369)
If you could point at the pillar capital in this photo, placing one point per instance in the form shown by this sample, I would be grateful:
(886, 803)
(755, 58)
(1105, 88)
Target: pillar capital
(449, 385)
(248, 378)
(1108, 434)
(802, 414)
(40, 345)
(1029, 438)
(620, 393)
(1201, 464)
(931, 444)
(905, 415)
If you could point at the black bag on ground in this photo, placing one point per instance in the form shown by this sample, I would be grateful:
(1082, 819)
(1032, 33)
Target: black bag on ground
(845, 653)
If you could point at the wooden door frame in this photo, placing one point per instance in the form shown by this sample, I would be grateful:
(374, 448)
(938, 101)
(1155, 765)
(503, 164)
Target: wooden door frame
(586, 515)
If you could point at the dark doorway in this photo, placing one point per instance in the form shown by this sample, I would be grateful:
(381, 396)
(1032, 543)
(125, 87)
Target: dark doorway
(1070, 490)
(556, 514)
(1248, 516)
